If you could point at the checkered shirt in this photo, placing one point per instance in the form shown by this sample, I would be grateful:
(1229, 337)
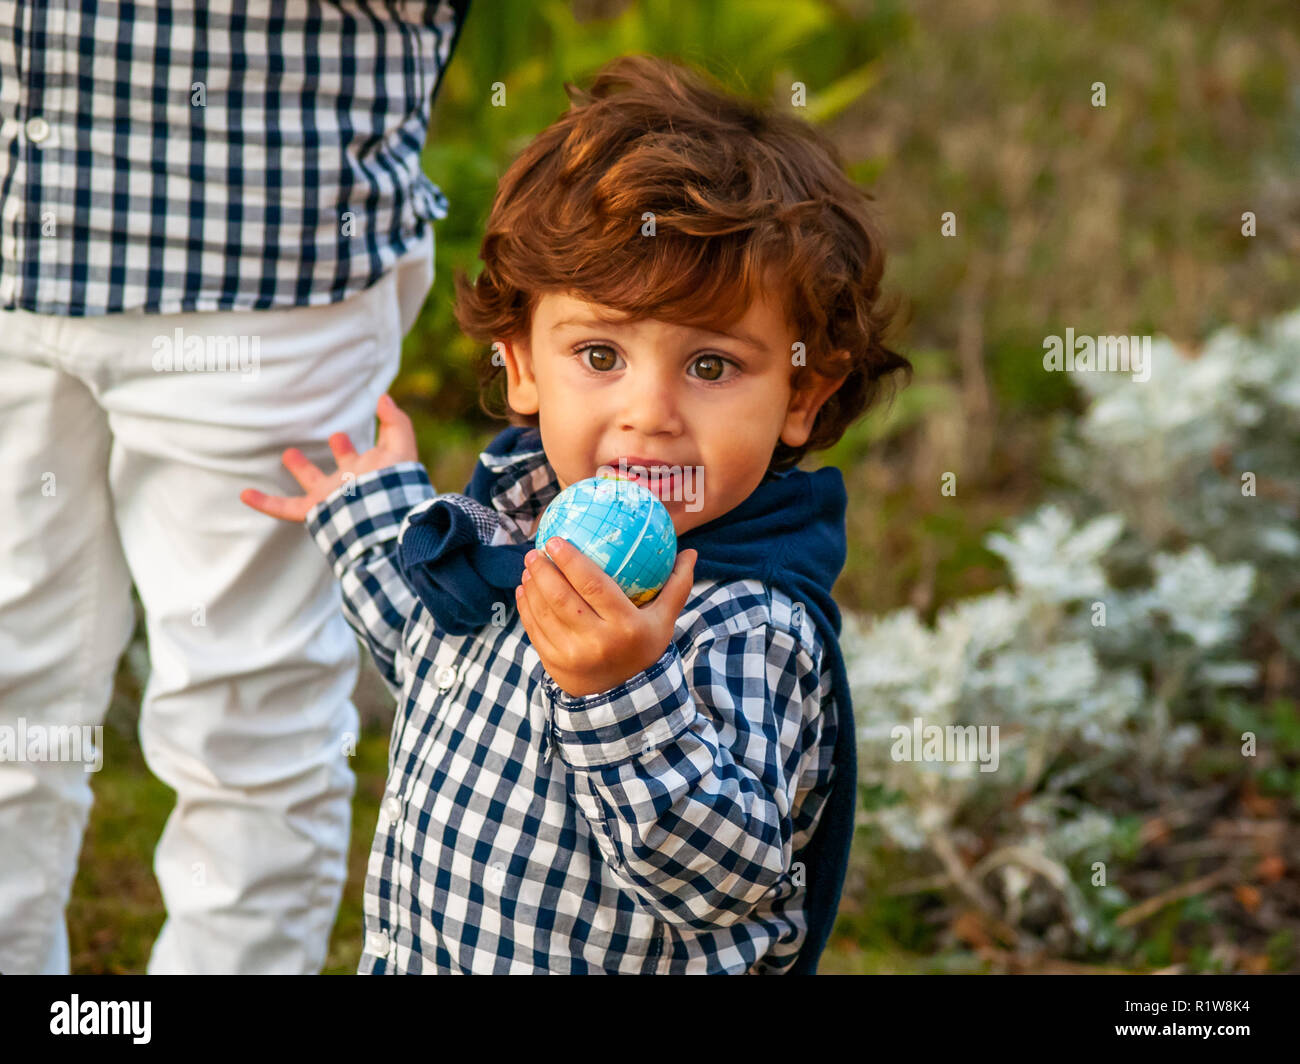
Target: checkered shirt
(214, 156)
(649, 828)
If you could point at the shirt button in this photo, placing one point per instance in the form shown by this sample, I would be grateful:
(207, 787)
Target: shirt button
(392, 808)
(37, 129)
(446, 676)
(377, 943)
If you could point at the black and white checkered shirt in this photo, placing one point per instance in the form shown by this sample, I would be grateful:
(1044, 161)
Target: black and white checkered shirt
(213, 156)
(649, 828)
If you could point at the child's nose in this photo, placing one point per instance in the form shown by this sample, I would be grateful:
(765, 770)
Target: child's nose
(650, 407)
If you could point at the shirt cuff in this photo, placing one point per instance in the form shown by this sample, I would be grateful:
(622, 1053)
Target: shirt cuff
(645, 711)
(367, 510)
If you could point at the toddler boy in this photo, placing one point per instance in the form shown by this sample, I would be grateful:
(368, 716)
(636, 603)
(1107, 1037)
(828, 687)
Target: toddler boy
(681, 288)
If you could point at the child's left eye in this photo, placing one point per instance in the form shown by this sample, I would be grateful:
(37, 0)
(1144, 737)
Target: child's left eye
(717, 365)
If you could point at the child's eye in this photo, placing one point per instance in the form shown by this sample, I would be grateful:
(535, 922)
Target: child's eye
(604, 359)
(601, 363)
(714, 366)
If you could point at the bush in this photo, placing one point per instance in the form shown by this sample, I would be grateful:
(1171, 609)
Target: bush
(1138, 599)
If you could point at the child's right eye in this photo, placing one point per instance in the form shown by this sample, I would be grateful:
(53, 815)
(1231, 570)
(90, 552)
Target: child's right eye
(603, 364)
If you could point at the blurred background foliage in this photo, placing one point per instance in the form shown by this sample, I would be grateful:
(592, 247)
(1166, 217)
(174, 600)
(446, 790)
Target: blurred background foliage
(1117, 219)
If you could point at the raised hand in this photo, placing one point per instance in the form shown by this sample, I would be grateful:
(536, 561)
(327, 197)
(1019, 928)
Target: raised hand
(395, 443)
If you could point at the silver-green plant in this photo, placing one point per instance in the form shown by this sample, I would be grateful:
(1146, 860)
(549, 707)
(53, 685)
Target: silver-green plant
(1129, 604)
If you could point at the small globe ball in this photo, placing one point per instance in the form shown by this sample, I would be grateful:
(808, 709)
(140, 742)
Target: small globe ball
(621, 526)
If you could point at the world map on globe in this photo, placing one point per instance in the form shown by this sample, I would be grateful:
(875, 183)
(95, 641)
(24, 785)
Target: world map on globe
(621, 526)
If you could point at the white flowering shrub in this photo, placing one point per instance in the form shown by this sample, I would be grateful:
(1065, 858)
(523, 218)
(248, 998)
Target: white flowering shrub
(1130, 601)
(1207, 451)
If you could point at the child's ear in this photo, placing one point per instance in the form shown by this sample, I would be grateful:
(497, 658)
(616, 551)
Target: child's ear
(521, 385)
(805, 401)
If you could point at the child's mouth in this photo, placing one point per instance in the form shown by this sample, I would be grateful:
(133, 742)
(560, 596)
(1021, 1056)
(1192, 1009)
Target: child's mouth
(666, 485)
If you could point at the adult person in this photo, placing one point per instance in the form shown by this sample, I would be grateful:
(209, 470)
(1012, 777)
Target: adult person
(214, 232)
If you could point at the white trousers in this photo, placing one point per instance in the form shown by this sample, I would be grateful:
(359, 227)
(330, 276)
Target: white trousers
(114, 470)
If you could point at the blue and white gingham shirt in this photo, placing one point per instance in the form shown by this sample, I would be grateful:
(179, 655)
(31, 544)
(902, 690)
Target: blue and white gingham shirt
(213, 156)
(649, 828)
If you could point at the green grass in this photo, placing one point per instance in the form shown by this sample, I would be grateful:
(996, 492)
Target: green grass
(116, 910)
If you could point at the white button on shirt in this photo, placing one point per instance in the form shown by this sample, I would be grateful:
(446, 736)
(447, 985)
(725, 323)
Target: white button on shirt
(377, 943)
(392, 808)
(37, 129)
(446, 676)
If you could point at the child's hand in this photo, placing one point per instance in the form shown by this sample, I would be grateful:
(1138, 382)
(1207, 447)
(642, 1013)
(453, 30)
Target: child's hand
(396, 443)
(587, 632)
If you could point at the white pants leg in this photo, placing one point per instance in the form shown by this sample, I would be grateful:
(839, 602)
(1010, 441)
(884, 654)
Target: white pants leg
(247, 714)
(65, 618)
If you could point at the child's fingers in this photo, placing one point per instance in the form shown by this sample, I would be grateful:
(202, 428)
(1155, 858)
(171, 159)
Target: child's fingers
(341, 447)
(303, 471)
(395, 431)
(547, 589)
(536, 634)
(673, 595)
(590, 583)
(286, 509)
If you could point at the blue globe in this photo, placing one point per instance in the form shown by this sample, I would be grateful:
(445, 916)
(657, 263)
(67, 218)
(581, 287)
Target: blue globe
(621, 526)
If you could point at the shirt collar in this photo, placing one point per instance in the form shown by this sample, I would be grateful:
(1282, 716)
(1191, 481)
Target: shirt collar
(523, 481)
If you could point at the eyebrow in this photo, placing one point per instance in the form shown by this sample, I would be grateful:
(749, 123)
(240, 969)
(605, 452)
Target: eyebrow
(596, 323)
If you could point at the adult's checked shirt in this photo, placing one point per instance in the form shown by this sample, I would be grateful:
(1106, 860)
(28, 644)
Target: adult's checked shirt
(221, 155)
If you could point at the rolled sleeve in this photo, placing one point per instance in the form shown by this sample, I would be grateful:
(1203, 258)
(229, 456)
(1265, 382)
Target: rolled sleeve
(356, 527)
(687, 772)
(366, 510)
(646, 711)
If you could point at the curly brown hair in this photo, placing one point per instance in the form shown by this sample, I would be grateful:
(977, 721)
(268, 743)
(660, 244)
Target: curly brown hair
(738, 194)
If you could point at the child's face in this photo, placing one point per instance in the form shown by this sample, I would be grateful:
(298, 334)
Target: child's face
(712, 404)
